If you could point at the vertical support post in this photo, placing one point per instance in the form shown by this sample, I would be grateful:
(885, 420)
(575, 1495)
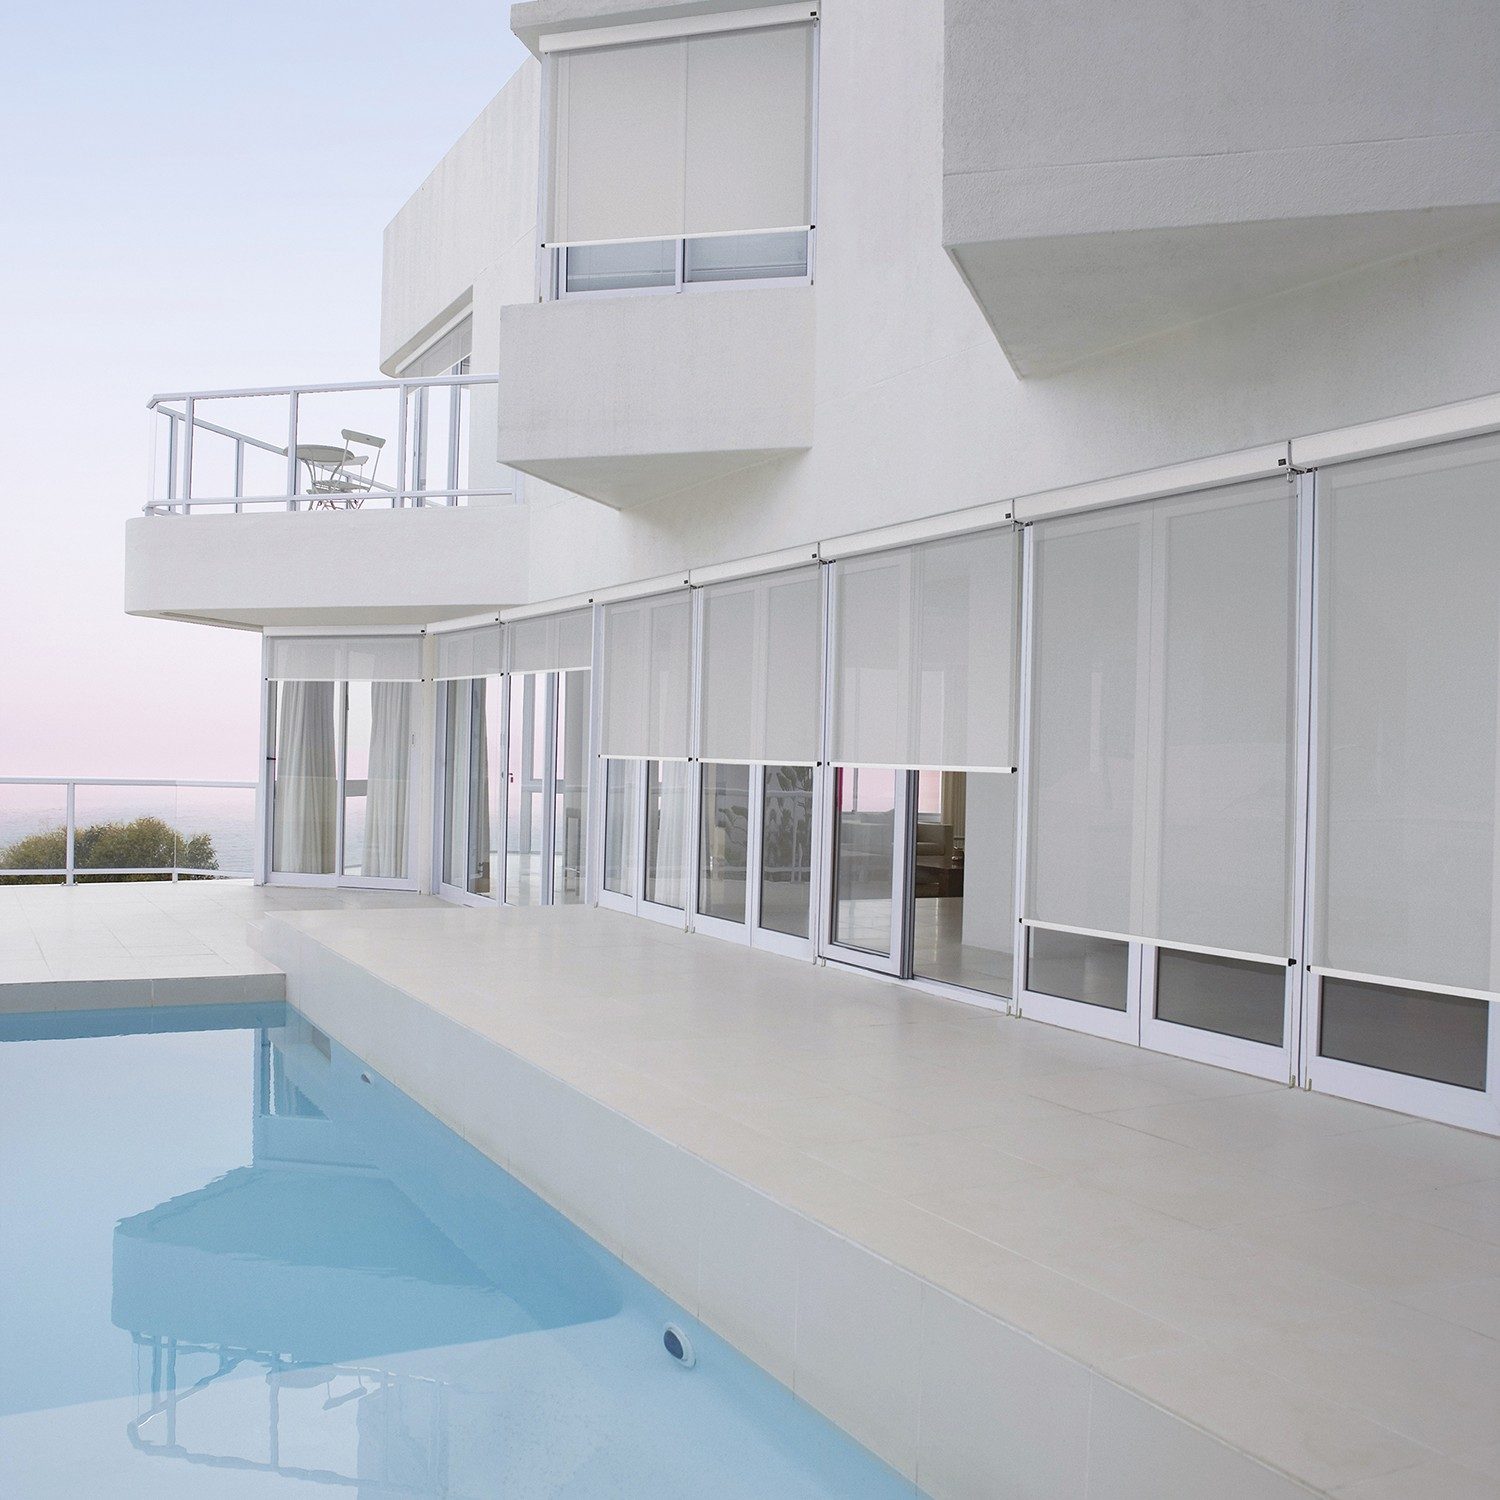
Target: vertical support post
(456, 415)
(419, 444)
(399, 498)
(72, 834)
(187, 456)
(239, 473)
(291, 450)
(171, 452)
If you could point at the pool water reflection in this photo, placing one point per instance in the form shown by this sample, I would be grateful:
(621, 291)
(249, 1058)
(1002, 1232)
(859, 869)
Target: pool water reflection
(236, 1262)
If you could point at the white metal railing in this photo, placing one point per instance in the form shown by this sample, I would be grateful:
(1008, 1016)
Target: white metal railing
(348, 446)
(206, 822)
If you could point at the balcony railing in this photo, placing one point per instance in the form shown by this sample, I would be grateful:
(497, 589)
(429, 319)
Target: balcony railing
(71, 830)
(359, 445)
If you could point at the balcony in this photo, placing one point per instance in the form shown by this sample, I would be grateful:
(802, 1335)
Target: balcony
(363, 503)
(632, 397)
(1110, 182)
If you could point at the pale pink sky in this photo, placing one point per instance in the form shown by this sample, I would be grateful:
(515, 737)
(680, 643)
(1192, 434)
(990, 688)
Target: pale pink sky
(194, 194)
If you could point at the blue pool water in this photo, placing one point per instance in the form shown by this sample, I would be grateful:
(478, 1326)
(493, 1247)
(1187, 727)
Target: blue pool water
(234, 1262)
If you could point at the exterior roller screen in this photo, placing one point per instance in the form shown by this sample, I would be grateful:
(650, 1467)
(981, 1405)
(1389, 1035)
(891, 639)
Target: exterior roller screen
(1163, 767)
(647, 663)
(468, 653)
(551, 643)
(335, 658)
(924, 652)
(762, 645)
(442, 354)
(1408, 729)
(684, 136)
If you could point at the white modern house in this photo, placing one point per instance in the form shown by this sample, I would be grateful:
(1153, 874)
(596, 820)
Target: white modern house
(1002, 497)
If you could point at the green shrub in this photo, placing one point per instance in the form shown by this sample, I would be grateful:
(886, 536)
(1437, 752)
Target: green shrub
(144, 843)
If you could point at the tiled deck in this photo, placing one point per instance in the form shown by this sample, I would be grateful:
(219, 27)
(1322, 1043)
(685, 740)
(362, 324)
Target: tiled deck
(147, 942)
(1316, 1282)
(1313, 1281)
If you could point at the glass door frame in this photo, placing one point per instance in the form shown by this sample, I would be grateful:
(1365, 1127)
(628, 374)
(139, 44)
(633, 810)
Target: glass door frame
(545, 698)
(636, 903)
(336, 879)
(749, 932)
(1447, 1103)
(896, 959)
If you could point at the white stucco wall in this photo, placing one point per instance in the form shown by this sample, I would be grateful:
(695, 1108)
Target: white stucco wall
(916, 410)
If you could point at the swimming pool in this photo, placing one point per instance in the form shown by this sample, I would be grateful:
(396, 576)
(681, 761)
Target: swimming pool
(236, 1261)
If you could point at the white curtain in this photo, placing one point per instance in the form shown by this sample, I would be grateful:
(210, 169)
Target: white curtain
(306, 795)
(390, 767)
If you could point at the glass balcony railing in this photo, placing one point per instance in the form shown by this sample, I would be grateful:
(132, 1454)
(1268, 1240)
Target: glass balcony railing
(72, 831)
(365, 445)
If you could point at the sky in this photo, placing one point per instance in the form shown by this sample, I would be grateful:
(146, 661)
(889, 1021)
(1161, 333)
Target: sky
(193, 196)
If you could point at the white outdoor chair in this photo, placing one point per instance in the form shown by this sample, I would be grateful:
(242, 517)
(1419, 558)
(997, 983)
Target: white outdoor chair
(336, 476)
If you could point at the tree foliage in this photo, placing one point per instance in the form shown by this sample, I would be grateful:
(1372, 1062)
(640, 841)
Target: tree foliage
(145, 843)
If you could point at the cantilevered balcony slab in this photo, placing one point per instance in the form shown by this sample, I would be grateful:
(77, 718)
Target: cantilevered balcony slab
(1113, 173)
(630, 398)
(339, 567)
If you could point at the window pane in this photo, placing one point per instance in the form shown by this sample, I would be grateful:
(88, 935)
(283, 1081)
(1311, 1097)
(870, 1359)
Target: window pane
(746, 257)
(963, 881)
(615, 268)
(667, 788)
(724, 842)
(486, 779)
(1225, 995)
(572, 787)
(621, 799)
(786, 851)
(1092, 970)
(526, 789)
(1441, 1037)
(864, 855)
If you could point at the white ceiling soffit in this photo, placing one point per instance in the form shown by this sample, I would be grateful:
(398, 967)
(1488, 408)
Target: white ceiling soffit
(701, 25)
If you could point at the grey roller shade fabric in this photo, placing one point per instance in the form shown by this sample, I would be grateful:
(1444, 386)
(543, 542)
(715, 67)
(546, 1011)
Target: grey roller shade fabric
(646, 658)
(924, 655)
(682, 136)
(333, 658)
(551, 643)
(468, 653)
(1163, 755)
(1407, 814)
(762, 668)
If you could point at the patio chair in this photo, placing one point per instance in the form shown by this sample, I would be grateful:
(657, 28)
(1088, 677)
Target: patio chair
(336, 476)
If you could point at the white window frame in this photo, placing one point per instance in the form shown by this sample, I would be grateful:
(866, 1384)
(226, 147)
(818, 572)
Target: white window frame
(270, 710)
(550, 261)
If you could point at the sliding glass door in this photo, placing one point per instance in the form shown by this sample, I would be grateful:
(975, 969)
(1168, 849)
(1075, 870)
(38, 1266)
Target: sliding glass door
(341, 809)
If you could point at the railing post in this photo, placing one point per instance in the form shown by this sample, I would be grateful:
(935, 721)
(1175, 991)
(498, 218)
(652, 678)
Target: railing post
(291, 450)
(239, 473)
(171, 453)
(456, 413)
(399, 498)
(419, 445)
(187, 456)
(68, 858)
